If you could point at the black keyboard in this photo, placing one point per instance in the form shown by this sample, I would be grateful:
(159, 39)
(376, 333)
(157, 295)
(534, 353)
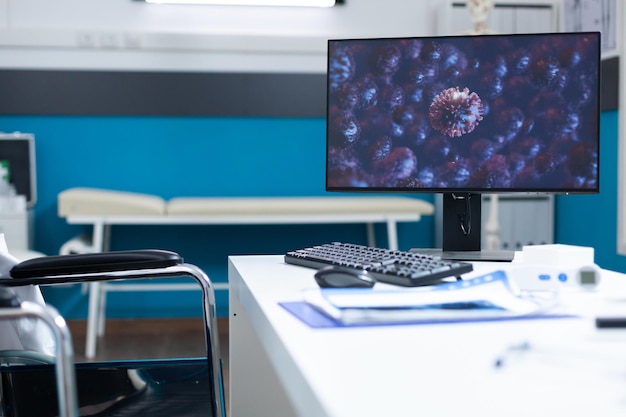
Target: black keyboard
(410, 269)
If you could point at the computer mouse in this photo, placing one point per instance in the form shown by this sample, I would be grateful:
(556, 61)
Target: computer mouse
(339, 277)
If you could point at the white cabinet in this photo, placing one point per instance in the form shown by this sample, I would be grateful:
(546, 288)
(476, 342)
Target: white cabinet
(15, 226)
(523, 220)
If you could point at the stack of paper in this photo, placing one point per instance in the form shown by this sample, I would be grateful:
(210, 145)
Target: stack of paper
(490, 296)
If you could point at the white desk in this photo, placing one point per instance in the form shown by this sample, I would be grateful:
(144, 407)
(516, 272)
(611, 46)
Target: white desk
(281, 367)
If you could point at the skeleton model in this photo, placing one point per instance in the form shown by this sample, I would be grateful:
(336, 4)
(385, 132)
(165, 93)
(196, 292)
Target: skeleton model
(479, 12)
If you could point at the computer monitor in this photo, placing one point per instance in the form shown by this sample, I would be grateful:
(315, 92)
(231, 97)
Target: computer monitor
(463, 116)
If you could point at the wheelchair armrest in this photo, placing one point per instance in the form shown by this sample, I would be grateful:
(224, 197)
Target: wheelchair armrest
(85, 263)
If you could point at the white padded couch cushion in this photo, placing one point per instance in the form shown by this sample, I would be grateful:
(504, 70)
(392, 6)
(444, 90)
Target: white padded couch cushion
(101, 202)
(295, 205)
(95, 201)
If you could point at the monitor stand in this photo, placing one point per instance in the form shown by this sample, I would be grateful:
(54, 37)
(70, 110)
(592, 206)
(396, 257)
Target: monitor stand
(462, 231)
(482, 255)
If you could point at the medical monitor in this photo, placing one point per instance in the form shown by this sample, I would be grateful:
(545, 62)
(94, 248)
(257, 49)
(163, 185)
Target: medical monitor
(17, 164)
(464, 116)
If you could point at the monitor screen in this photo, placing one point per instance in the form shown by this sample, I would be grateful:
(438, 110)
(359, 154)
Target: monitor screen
(464, 115)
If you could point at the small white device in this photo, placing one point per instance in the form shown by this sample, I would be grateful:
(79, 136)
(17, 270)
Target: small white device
(555, 267)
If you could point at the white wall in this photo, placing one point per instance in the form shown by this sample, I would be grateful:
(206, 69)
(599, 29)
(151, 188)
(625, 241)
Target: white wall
(125, 34)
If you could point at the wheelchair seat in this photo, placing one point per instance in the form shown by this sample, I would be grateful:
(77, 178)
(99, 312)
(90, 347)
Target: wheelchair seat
(155, 388)
(187, 387)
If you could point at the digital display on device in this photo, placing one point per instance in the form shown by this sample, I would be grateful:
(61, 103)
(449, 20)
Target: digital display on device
(489, 113)
(588, 276)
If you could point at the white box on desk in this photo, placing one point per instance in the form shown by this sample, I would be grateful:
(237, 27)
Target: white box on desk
(558, 254)
(555, 267)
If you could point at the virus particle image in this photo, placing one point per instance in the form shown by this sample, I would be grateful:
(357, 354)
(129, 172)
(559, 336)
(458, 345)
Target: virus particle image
(344, 128)
(340, 67)
(454, 112)
(380, 149)
(399, 165)
(385, 60)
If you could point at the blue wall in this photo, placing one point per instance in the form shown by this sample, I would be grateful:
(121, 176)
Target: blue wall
(184, 156)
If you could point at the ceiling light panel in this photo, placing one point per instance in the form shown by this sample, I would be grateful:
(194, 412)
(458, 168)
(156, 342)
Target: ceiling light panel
(287, 3)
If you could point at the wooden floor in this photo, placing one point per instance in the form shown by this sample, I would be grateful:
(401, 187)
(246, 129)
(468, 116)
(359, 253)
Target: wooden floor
(151, 339)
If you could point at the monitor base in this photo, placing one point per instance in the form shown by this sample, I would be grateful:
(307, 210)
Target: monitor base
(471, 256)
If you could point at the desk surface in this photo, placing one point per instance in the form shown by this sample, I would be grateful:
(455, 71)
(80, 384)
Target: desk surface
(281, 367)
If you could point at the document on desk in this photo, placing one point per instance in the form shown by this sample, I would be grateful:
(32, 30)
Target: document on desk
(488, 297)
